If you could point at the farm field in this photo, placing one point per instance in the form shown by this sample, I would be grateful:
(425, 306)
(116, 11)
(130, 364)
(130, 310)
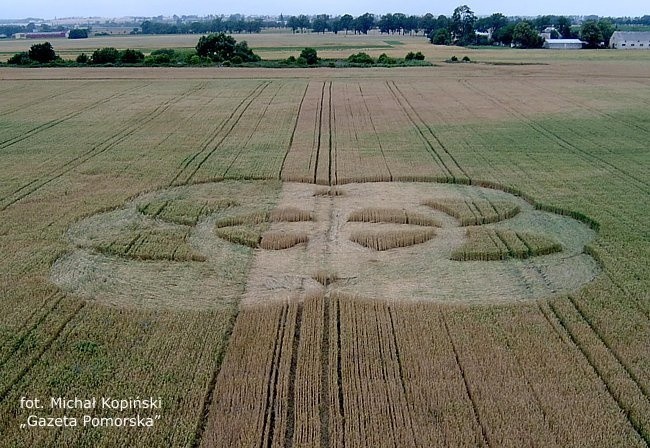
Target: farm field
(443, 256)
(281, 45)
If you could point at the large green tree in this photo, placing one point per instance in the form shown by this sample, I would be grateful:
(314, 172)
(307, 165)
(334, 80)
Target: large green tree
(346, 22)
(563, 25)
(463, 21)
(591, 34)
(525, 36)
(321, 23)
(364, 23)
(221, 47)
(607, 29)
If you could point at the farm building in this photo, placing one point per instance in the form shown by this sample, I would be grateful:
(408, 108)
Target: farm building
(43, 35)
(48, 35)
(563, 44)
(630, 40)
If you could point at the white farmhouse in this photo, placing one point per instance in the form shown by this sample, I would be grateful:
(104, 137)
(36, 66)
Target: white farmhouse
(630, 40)
(563, 44)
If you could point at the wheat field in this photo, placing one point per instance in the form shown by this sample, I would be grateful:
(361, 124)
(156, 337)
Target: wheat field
(186, 234)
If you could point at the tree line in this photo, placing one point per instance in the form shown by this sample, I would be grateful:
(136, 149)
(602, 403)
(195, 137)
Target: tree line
(393, 23)
(462, 27)
(212, 49)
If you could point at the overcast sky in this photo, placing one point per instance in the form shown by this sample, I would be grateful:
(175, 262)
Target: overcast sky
(49, 9)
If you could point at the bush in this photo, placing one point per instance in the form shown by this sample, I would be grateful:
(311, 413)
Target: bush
(42, 53)
(129, 56)
(309, 55)
(246, 54)
(19, 59)
(361, 58)
(454, 59)
(82, 58)
(414, 56)
(194, 60)
(466, 59)
(107, 55)
(237, 59)
(160, 56)
(158, 59)
(385, 59)
(169, 52)
(291, 60)
(301, 61)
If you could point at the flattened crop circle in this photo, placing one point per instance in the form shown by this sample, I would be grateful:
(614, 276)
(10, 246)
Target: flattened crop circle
(190, 247)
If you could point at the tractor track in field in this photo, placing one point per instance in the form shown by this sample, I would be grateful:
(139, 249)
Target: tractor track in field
(472, 129)
(228, 123)
(331, 139)
(23, 332)
(561, 325)
(374, 128)
(559, 140)
(210, 138)
(610, 349)
(531, 390)
(46, 346)
(187, 119)
(433, 134)
(250, 135)
(318, 132)
(400, 370)
(582, 105)
(50, 124)
(293, 132)
(268, 427)
(40, 100)
(96, 150)
(212, 384)
(293, 365)
(468, 391)
(644, 310)
(325, 391)
(431, 150)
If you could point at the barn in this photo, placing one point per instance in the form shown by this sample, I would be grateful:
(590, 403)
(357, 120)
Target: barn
(47, 35)
(630, 40)
(563, 44)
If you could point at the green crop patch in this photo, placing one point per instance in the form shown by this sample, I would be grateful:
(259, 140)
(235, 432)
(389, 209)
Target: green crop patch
(473, 212)
(488, 244)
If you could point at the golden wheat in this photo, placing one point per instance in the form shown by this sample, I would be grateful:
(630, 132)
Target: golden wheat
(290, 214)
(390, 239)
(475, 212)
(488, 244)
(391, 215)
(278, 240)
